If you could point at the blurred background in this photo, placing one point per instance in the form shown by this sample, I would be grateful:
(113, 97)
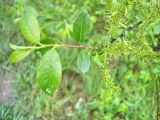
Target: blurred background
(79, 96)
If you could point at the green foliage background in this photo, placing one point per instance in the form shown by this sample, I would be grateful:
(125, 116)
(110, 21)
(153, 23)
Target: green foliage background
(85, 96)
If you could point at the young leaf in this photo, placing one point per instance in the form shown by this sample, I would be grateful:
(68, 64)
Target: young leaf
(30, 10)
(83, 61)
(30, 28)
(81, 26)
(15, 47)
(18, 55)
(49, 72)
(50, 41)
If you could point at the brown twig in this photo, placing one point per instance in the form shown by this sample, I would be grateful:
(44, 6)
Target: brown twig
(123, 34)
(69, 46)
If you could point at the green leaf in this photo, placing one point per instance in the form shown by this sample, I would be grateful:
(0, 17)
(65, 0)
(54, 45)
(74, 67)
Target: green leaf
(30, 28)
(157, 29)
(81, 26)
(15, 47)
(83, 61)
(49, 72)
(30, 10)
(18, 55)
(50, 41)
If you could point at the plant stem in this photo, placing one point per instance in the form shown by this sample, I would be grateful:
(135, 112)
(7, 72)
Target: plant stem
(54, 45)
(65, 46)
(123, 34)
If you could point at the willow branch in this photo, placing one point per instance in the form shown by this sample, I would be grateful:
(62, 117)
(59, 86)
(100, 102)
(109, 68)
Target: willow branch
(65, 46)
(122, 35)
(129, 29)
